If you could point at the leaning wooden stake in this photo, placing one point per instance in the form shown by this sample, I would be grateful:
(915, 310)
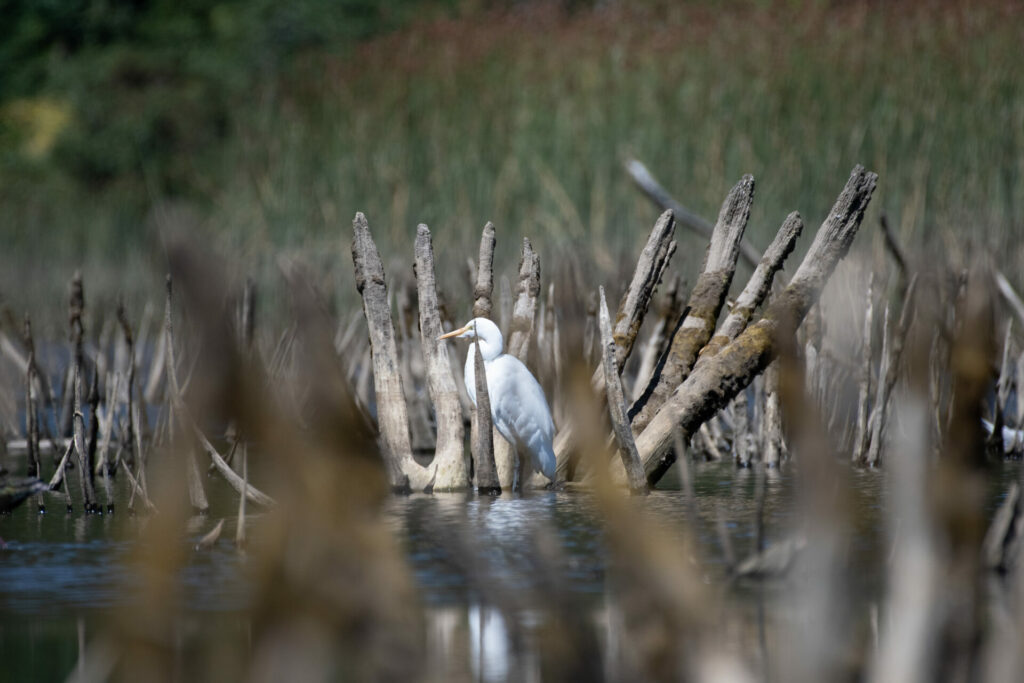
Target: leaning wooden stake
(670, 311)
(650, 268)
(617, 404)
(758, 285)
(713, 384)
(448, 455)
(705, 303)
(392, 416)
(483, 447)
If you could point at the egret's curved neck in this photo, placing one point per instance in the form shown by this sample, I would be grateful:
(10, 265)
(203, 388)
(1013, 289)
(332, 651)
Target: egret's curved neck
(490, 348)
(491, 343)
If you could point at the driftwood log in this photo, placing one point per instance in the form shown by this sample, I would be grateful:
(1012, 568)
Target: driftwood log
(712, 385)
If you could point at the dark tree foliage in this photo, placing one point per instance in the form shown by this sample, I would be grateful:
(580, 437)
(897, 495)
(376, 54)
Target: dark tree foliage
(154, 86)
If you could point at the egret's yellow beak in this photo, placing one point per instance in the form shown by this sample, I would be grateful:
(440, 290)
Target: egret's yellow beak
(454, 333)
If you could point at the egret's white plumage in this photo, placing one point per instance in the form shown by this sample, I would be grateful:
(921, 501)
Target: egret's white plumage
(518, 407)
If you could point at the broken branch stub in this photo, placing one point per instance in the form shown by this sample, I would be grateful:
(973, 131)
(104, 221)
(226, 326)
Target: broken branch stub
(650, 267)
(484, 275)
(712, 385)
(705, 303)
(525, 310)
(448, 454)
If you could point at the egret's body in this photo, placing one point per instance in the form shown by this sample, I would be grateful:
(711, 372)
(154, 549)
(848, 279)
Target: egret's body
(518, 407)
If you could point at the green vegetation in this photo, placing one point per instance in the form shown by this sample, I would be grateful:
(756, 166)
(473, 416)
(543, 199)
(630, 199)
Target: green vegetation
(270, 126)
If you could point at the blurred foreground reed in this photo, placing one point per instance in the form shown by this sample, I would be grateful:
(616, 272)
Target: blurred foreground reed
(893, 365)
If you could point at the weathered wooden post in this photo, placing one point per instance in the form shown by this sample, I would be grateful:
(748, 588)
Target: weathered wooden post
(482, 305)
(75, 310)
(483, 446)
(31, 408)
(392, 416)
(448, 454)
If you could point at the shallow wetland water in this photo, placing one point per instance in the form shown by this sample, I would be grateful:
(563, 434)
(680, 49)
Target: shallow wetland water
(61, 576)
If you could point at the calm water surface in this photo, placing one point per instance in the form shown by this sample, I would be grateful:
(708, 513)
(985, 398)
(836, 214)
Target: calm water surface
(60, 575)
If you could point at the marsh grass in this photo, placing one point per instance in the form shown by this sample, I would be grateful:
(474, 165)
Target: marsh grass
(522, 116)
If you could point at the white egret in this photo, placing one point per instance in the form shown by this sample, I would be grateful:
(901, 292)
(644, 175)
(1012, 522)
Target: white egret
(518, 407)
